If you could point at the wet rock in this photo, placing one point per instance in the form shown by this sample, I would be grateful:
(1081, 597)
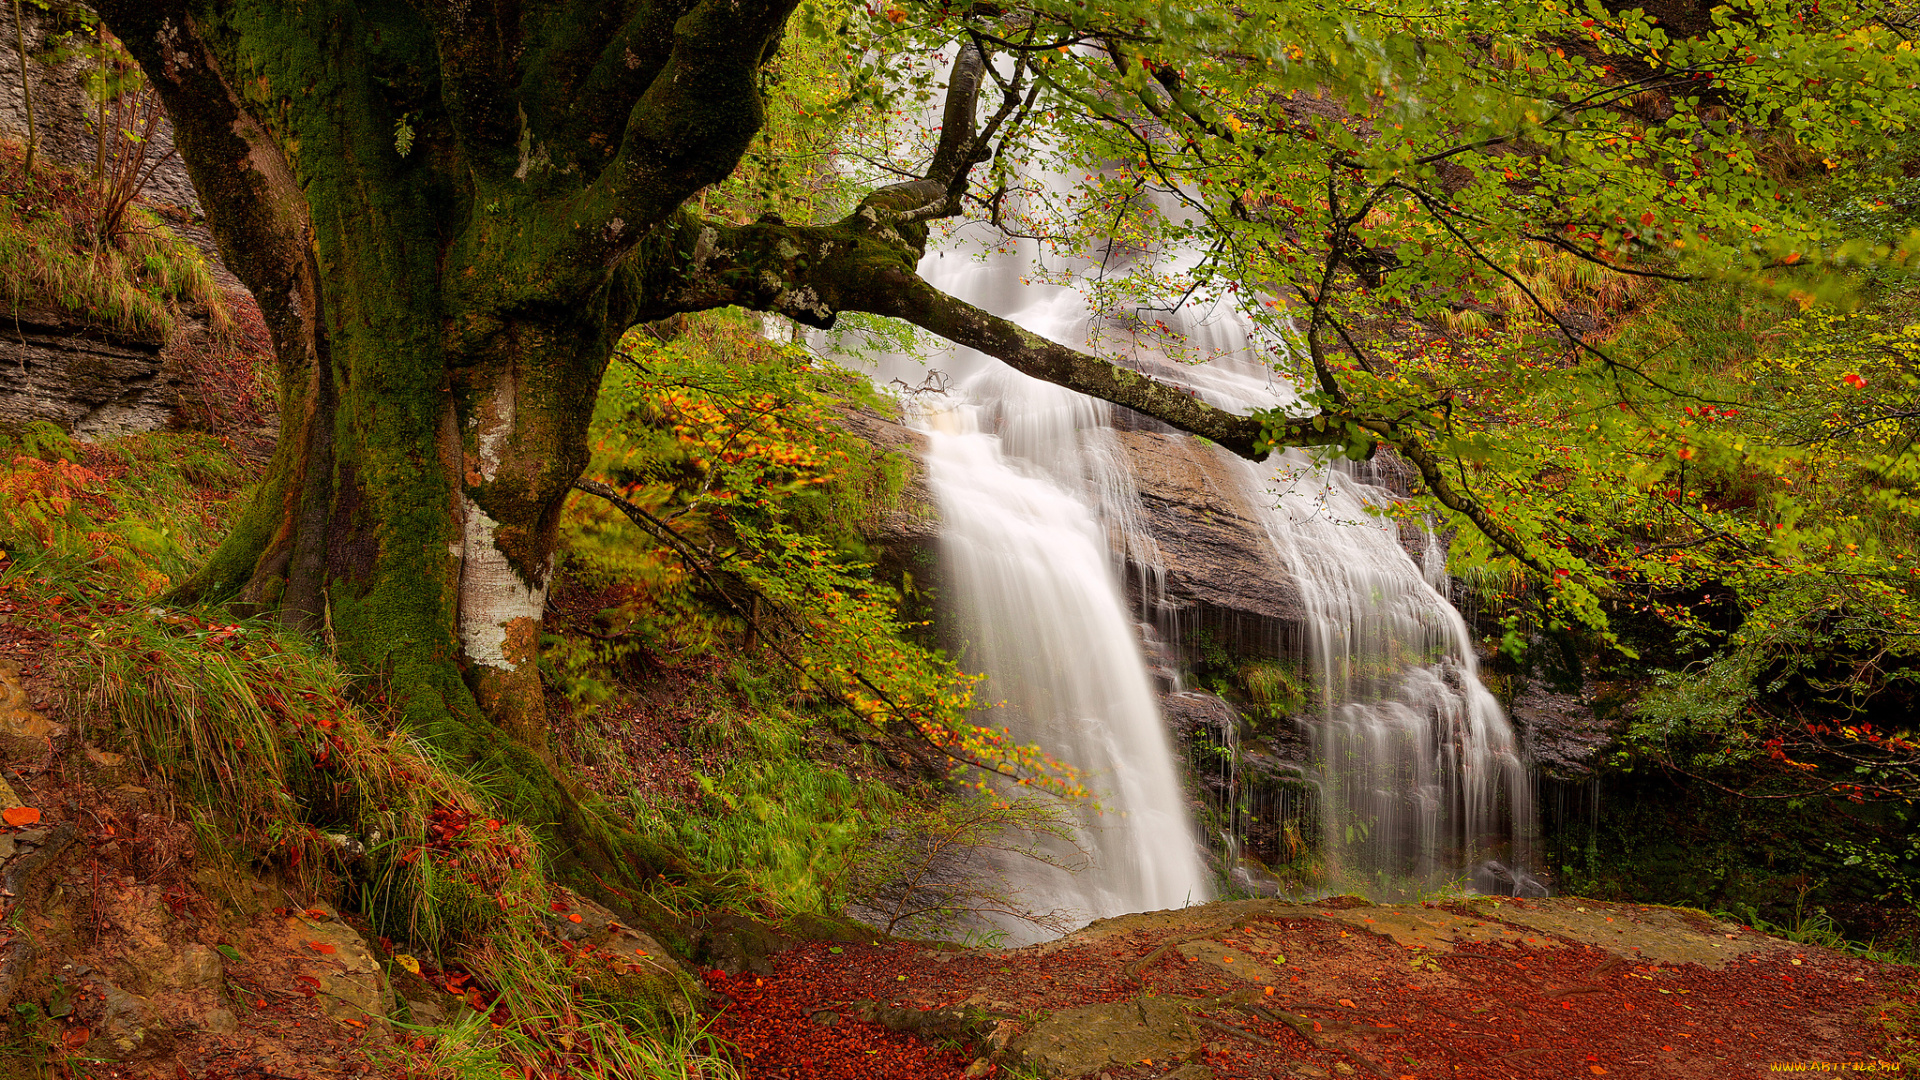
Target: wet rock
(127, 1030)
(25, 734)
(1562, 733)
(1497, 879)
(1220, 576)
(1076, 1042)
(1191, 712)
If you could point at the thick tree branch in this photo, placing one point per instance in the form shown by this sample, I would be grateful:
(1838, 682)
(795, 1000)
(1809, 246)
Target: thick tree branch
(811, 274)
(688, 130)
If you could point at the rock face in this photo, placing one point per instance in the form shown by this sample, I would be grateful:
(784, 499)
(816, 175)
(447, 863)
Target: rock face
(90, 382)
(1220, 576)
(63, 116)
(1562, 733)
(914, 520)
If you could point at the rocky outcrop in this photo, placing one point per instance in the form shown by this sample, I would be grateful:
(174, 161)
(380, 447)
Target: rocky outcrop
(1219, 573)
(914, 517)
(92, 382)
(64, 118)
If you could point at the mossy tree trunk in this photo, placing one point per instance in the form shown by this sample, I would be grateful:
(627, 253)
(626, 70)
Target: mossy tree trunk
(448, 213)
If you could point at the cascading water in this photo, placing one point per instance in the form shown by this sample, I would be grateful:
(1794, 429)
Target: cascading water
(1421, 780)
(1041, 614)
(1418, 774)
(1034, 500)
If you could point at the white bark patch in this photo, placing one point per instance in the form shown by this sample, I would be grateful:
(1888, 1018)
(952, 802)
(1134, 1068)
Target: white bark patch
(494, 429)
(493, 596)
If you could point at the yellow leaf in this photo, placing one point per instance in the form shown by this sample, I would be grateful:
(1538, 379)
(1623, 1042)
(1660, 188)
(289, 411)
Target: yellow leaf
(407, 962)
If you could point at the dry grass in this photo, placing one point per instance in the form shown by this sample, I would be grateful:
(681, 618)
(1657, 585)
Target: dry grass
(50, 257)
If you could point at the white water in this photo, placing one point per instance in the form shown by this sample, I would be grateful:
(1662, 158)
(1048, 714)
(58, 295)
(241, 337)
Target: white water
(1035, 503)
(1421, 781)
(1419, 776)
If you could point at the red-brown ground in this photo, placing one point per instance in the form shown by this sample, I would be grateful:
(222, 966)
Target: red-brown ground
(1535, 1006)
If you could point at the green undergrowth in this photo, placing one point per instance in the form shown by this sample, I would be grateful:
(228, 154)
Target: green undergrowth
(115, 523)
(50, 257)
(286, 769)
(753, 586)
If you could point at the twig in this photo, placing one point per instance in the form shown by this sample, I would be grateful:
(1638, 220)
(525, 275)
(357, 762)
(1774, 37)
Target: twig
(1216, 1025)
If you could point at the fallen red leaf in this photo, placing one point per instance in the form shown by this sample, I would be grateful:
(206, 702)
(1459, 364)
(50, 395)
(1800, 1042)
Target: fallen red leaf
(20, 815)
(76, 1037)
(322, 948)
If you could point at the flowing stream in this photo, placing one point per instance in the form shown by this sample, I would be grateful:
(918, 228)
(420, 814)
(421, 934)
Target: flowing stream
(1419, 781)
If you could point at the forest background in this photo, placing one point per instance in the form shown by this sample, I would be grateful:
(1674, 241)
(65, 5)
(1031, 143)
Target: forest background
(1628, 292)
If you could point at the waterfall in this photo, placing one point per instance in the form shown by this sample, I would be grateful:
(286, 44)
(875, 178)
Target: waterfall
(1421, 781)
(1040, 611)
(1419, 778)
(1039, 521)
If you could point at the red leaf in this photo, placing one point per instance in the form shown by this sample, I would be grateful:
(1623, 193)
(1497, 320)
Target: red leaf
(322, 948)
(20, 815)
(76, 1037)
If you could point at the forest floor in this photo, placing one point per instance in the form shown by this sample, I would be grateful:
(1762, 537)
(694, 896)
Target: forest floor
(1479, 987)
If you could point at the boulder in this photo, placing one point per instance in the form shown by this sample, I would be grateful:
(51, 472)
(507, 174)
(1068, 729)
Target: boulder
(616, 960)
(353, 990)
(126, 1030)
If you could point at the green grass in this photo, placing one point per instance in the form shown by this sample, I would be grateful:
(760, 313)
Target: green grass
(135, 283)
